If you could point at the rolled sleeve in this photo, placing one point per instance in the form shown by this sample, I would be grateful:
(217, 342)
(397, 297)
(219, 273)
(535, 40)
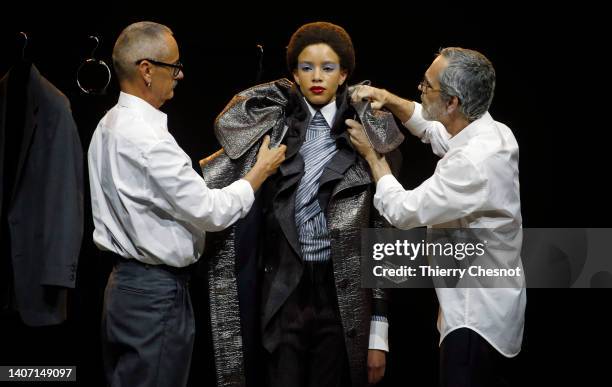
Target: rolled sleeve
(416, 124)
(430, 132)
(245, 193)
(384, 184)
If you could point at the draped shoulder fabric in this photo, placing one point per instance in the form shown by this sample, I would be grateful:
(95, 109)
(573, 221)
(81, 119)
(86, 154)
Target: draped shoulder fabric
(251, 114)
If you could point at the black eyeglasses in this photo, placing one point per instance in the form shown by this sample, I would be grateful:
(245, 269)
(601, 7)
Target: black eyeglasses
(176, 67)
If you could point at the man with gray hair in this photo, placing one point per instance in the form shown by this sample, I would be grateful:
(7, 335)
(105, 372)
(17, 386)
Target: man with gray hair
(151, 211)
(475, 185)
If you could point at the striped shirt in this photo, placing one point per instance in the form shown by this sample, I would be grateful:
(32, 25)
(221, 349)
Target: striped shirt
(318, 149)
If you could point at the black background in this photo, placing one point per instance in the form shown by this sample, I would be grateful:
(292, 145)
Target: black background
(551, 82)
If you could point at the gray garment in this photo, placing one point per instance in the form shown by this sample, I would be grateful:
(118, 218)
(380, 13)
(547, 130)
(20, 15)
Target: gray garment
(148, 327)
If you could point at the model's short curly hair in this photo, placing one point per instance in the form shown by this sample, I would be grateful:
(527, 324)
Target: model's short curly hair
(322, 32)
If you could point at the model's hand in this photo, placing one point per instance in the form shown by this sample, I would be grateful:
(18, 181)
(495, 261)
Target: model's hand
(377, 362)
(377, 97)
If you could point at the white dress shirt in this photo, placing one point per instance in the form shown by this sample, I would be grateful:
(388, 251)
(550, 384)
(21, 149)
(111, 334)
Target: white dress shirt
(148, 203)
(379, 327)
(475, 185)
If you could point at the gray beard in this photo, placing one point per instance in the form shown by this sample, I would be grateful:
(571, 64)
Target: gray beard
(432, 112)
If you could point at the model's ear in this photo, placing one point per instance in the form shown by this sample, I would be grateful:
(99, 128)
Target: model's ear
(343, 75)
(295, 77)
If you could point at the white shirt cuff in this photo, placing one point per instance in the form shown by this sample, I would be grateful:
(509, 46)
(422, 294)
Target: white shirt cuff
(415, 119)
(385, 183)
(379, 335)
(243, 189)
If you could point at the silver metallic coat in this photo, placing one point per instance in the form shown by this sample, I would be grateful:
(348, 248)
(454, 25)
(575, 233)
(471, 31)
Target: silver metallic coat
(242, 124)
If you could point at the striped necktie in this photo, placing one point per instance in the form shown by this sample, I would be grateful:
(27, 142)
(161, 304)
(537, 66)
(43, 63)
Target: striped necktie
(318, 149)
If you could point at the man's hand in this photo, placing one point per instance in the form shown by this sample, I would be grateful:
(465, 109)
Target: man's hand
(359, 139)
(377, 362)
(268, 161)
(378, 163)
(377, 97)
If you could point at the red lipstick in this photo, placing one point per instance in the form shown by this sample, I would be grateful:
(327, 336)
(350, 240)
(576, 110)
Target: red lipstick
(317, 89)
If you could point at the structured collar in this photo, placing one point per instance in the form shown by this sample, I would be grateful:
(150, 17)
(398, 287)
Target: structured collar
(328, 111)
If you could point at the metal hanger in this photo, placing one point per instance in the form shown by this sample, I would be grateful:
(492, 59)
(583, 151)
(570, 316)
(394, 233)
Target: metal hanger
(96, 62)
(25, 44)
(260, 54)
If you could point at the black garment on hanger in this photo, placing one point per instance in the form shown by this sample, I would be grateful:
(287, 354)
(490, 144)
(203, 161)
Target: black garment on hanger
(10, 146)
(41, 160)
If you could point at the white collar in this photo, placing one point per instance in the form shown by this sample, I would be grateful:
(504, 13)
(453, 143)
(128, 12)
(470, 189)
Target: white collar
(151, 115)
(470, 131)
(328, 111)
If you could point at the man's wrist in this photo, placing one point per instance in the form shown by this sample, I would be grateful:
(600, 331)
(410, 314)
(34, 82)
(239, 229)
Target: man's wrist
(374, 157)
(385, 97)
(256, 176)
(379, 167)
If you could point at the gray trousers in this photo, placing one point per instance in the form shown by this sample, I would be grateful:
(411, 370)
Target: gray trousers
(148, 327)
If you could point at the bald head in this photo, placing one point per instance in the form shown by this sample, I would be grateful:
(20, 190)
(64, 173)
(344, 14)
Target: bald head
(142, 40)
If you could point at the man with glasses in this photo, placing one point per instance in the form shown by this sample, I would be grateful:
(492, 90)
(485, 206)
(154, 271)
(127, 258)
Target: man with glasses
(151, 211)
(475, 185)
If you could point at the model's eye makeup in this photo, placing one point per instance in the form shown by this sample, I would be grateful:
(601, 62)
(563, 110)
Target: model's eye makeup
(330, 67)
(327, 67)
(305, 66)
